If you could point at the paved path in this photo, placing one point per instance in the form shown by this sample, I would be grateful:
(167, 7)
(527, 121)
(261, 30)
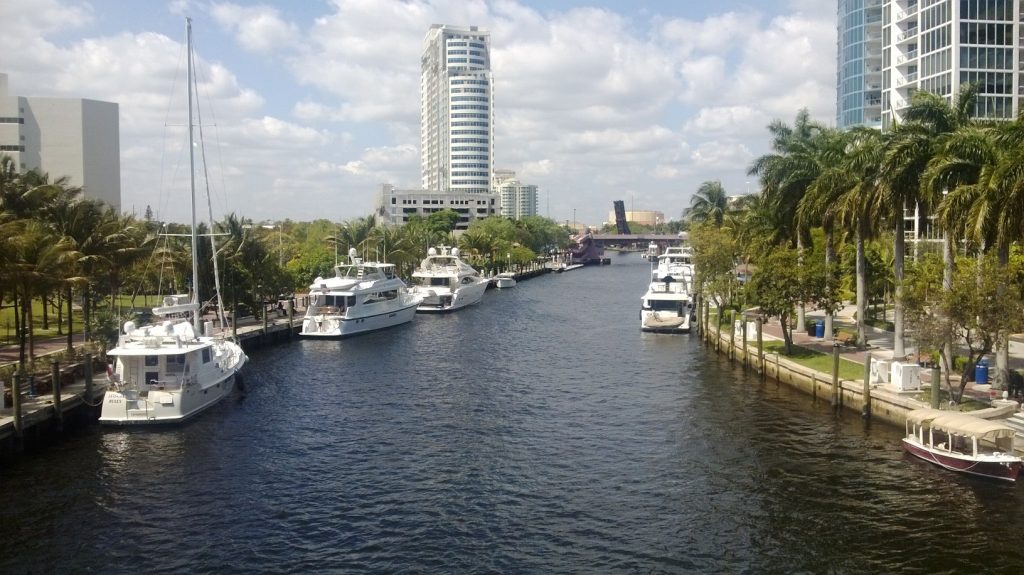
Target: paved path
(880, 345)
(10, 353)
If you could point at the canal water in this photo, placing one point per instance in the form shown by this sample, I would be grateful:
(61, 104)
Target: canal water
(538, 432)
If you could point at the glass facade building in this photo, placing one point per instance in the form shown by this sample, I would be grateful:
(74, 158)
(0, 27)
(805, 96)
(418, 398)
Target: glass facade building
(859, 70)
(939, 45)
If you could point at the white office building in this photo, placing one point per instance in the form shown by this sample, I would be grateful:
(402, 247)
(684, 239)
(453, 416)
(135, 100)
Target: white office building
(517, 199)
(456, 114)
(72, 137)
(395, 207)
(938, 45)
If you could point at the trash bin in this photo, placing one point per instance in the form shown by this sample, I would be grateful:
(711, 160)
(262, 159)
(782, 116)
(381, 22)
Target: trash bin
(981, 372)
(811, 327)
(819, 329)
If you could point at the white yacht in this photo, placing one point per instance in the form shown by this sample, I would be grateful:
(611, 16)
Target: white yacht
(677, 263)
(361, 297)
(652, 252)
(445, 282)
(505, 280)
(666, 307)
(668, 304)
(168, 372)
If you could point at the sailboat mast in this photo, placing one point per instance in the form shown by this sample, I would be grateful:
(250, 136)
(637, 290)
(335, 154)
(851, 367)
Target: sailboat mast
(192, 173)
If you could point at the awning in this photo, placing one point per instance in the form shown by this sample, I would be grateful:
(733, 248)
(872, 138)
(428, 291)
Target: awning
(960, 423)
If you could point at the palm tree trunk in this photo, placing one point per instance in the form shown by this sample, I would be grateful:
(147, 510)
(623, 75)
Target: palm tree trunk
(862, 288)
(800, 326)
(830, 258)
(71, 342)
(899, 252)
(947, 285)
(1001, 377)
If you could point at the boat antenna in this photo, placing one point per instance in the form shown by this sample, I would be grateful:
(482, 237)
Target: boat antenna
(192, 171)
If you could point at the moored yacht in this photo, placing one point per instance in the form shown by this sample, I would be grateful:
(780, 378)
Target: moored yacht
(666, 307)
(168, 372)
(676, 263)
(361, 297)
(445, 282)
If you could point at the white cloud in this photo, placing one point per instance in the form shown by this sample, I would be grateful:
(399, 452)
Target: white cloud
(257, 28)
(591, 104)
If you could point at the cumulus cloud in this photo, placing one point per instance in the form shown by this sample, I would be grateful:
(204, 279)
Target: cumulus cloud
(591, 103)
(257, 28)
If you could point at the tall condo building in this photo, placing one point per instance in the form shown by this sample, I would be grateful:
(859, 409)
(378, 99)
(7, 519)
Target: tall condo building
(456, 114)
(69, 137)
(518, 200)
(932, 45)
(938, 45)
(859, 70)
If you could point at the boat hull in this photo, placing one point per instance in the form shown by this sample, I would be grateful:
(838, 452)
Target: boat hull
(442, 301)
(1006, 469)
(157, 407)
(337, 326)
(664, 322)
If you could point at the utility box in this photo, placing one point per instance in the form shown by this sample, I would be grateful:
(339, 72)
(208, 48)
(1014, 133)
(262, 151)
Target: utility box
(880, 370)
(905, 376)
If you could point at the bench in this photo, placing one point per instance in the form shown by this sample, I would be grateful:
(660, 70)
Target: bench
(846, 339)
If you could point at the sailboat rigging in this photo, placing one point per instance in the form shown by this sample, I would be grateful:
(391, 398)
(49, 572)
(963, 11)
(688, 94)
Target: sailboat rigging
(175, 368)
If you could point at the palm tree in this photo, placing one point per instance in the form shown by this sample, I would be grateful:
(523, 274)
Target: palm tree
(913, 144)
(859, 206)
(819, 205)
(785, 174)
(709, 204)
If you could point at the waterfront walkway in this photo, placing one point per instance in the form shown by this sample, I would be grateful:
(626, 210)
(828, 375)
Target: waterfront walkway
(880, 345)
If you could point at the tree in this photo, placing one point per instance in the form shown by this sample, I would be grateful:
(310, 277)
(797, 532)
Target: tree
(972, 313)
(780, 284)
(709, 204)
(929, 118)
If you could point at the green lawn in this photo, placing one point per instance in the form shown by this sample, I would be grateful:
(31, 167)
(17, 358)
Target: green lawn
(816, 360)
(8, 335)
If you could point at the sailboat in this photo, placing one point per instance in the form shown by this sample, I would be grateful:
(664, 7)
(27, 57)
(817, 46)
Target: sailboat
(173, 369)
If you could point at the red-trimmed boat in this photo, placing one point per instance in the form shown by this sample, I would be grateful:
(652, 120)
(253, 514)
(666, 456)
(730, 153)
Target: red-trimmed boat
(962, 442)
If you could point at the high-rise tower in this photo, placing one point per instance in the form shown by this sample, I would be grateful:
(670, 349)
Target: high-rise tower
(456, 115)
(931, 45)
(859, 70)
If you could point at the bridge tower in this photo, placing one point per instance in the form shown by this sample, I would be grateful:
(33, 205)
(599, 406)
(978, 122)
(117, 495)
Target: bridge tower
(620, 217)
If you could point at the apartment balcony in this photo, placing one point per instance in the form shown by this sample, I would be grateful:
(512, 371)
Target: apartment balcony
(910, 12)
(906, 36)
(909, 78)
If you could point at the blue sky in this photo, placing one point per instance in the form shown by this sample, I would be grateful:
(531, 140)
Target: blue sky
(310, 106)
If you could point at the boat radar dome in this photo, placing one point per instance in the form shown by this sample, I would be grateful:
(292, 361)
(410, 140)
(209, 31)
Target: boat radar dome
(455, 252)
(432, 252)
(352, 252)
(129, 327)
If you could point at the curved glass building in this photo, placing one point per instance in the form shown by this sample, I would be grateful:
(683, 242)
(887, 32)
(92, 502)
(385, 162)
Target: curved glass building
(859, 72)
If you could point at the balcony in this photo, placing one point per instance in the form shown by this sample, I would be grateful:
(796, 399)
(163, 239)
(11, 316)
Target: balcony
(907, 36)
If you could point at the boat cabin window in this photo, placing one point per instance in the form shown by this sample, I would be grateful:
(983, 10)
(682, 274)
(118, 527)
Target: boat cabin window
(339, 301)
(152, 377)
(389, 272)
(206, 355)
(664, 305)
(438, 281)
(175, 364)
(152, 361)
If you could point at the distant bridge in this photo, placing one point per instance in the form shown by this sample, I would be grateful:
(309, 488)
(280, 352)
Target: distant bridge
(638, 240)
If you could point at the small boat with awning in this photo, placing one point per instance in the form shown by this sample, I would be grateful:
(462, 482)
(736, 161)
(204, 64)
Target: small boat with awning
(962, 442)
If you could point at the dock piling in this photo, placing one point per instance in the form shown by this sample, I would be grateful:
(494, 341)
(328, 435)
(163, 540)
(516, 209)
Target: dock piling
(835, 376)
(88, 377)
(935, 388)
(865, 411)
(58, 412)
(16, 405)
